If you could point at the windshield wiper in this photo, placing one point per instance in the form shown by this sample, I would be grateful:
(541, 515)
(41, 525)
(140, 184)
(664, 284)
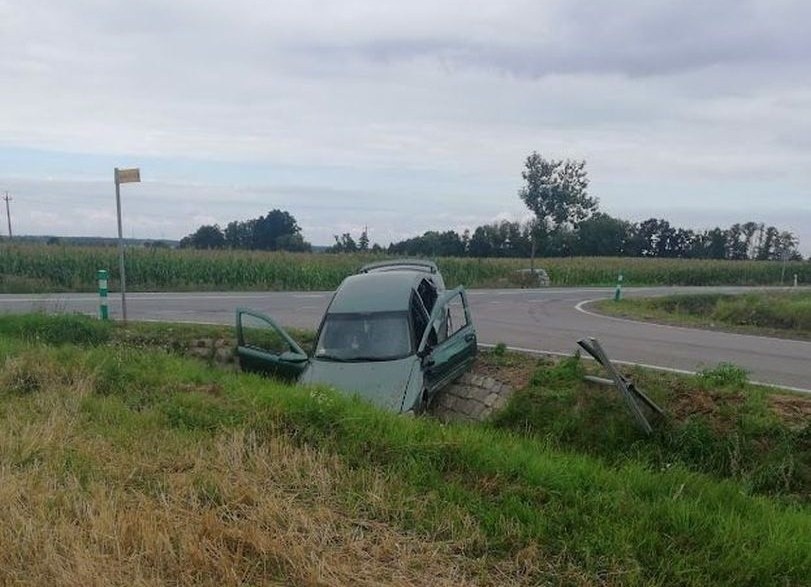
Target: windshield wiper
(333, 358)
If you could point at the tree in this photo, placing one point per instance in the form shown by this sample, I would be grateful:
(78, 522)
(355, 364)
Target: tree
(269, 229)
(363, 241)
(602, 235)
(556, 193)
(343, 244)
(208, 236)
(276, 231)
(238, 235)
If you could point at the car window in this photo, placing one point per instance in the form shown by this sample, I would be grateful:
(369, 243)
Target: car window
(376, 336)
(428, 294)
(455, 316)
(419, 318)
(260, 335)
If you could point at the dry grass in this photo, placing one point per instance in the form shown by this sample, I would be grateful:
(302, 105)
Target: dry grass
(104, 501)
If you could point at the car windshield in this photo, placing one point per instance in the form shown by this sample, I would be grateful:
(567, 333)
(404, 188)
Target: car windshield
(377, 336)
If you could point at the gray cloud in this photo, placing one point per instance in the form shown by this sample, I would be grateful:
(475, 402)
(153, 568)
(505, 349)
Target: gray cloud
(426, 104)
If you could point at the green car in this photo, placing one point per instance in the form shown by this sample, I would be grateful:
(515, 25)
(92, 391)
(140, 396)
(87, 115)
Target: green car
(391, 334)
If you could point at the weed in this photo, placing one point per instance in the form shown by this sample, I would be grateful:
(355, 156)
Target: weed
(723, 375)
(56, 328)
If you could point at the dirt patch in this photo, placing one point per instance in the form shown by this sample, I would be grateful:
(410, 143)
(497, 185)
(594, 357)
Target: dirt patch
(717, 405)
(514, 371)
(795, 411)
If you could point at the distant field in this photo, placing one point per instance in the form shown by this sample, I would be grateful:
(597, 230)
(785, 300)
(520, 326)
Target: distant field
(40, 268)
(123, 464)
(781, 313)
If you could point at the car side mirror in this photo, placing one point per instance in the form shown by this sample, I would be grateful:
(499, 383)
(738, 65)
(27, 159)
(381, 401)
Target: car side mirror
(293, 357)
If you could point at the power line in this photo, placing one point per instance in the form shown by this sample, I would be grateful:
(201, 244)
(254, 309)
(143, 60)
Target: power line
(8, 214)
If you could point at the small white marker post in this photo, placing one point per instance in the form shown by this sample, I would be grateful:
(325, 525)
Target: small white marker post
(103, 312)
(795, 280)
(618, 290)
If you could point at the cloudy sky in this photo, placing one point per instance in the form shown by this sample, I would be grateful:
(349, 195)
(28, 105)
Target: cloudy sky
(403, 116)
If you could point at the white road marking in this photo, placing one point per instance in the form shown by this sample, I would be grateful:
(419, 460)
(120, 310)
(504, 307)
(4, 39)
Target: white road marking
(643, 365)
(579, 307)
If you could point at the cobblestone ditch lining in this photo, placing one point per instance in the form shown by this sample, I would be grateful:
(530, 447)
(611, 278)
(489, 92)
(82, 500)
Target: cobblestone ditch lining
(471, 398)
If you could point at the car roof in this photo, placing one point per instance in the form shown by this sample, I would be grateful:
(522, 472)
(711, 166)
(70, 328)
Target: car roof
(384, 291)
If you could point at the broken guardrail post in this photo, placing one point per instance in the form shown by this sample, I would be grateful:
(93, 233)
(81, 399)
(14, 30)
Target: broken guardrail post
(632, 396)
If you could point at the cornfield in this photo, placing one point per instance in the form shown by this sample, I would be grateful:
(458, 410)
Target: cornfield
(43, 268)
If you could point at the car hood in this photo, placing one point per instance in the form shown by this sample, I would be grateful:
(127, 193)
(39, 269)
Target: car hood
(382, 383)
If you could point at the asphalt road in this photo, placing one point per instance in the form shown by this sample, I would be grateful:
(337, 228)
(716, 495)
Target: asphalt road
(549, 320)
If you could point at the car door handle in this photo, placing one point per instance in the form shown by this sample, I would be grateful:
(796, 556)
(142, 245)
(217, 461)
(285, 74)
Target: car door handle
(470, 337)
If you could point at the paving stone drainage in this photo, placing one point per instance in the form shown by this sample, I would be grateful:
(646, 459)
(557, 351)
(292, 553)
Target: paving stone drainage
(471, 398)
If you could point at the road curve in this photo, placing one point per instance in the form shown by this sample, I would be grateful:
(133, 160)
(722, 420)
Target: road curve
(549, 320)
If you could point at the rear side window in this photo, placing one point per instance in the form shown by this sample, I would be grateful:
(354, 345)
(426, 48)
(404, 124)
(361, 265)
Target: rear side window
(428, 294)
(419, 318)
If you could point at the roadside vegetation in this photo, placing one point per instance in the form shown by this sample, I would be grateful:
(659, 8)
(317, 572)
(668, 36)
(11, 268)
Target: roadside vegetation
(716, 423)
(131, 464)
(776, 313)
(43, 268)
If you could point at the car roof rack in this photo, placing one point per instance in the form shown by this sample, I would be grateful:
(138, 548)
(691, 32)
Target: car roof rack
(413, 264)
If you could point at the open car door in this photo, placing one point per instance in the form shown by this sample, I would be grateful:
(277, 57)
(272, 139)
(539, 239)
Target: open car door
(264, 347)
(448, 346)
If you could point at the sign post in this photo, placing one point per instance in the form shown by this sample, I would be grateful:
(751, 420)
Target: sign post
(123, 176)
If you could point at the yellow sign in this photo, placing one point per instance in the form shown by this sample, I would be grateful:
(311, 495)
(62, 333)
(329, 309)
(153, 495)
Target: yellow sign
(128, 175)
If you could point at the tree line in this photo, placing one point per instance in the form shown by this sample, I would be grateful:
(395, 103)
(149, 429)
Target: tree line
(275, 231)
(566, 222)
(604, 235)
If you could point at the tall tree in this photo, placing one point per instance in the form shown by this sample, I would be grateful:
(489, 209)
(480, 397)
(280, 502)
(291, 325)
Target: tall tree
(556, 191)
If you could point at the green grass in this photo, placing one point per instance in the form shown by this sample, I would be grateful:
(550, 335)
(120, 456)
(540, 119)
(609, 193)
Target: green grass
(716, 423)
(40, 268)
(781, 313)
(139, 463)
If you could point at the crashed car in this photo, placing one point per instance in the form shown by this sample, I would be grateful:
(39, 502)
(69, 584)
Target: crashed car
(392, 334)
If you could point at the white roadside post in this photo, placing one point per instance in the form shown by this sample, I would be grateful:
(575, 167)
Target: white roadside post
(123, 176)
(103, 312)
(618, 290)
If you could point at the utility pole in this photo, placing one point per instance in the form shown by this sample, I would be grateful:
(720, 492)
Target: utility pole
(8, 214)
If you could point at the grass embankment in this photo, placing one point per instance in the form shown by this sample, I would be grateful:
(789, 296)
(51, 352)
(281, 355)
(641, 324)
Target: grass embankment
(132, 465)
(716, 423)
(41, 268)
(785, 313)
